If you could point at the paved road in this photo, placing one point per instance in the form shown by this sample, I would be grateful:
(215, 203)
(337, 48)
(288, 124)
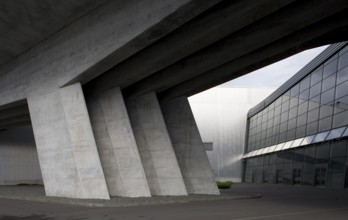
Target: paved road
(278, 203)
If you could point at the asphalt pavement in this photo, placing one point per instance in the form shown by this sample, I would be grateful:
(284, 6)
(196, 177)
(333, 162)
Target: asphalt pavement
(279, 202)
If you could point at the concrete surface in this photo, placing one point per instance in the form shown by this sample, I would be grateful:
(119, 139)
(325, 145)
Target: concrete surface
(198, 33)
(278, 202)
(24, 24)
(253, 38)
(188, 146)
(170, 48)
(19, 163)
(66, 146)
(116, 145)
(155, 147)
(91, 45)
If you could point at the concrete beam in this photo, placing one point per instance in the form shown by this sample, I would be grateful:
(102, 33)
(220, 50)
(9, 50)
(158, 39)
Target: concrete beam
(66, 146)
(188, 147)
(116, 144)
(207, 28)
(278, 25)
(93, 44)
(155, 148)
(329, 31)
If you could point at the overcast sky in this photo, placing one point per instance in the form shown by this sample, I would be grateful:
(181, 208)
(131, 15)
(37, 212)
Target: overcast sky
(276, 74)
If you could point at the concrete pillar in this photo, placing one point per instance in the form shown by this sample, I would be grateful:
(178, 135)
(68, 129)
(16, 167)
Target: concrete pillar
(156, 151)
(188, 147)
(117, 148)
(66, 146)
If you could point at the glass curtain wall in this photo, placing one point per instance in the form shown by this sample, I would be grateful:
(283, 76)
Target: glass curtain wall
(314, 105)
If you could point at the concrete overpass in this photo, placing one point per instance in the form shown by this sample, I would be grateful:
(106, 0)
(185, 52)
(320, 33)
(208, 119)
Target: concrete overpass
(104, 84)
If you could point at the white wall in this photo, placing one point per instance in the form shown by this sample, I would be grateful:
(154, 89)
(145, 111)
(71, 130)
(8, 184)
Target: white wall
(18, 157)
(221, 115)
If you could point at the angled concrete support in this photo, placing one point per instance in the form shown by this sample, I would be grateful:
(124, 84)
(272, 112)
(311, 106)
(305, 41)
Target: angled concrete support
(66, 146)
(156, 151)
(188, 147)
(116, 145)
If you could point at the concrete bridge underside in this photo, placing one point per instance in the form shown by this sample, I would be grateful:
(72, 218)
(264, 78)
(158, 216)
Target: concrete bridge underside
(104, 84)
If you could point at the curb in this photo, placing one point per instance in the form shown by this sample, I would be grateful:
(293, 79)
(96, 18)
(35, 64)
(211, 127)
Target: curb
(86, 203)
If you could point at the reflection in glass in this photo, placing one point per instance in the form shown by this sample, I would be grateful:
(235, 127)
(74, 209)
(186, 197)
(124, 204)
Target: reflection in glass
(317, 75)
(341, 104)
(343, 61)
(279, 147)
(287, 145)
(325, 124)
(304, 84)
(307, 140)
(345, 134)
(328, 96)
(336, 133)
(296, 143)
(330, 68)
(342, 89)
(271, 148)
(342, 75)
(329, 82)
(315, 90)
(320, 137)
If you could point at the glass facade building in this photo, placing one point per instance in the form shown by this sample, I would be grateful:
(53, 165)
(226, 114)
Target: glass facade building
(299, 134)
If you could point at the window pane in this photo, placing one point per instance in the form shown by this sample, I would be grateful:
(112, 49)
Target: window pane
(343, 61)
(320, 137)
(325, 124)
(285, 106)
(328, 96)
(291, 135)
(342, 90)
(315, 90)
(302, 108)
(337, 164)
(329, 82)
(307, 140)
(336, 133)
(313, 115)
(312, 128)
(314, 103)
(341, 104)
(301, 131)
(277, 110)
(340, 119)
(326, 110)
(301, 120)
(323, 151)
(304, 96)
(284, 116)
(316, 76)
(342, 75)
(293, 113)
(330, 68)
(296, 143)
(304, 84)
(295, 90)
(338, 149)
(293, 102)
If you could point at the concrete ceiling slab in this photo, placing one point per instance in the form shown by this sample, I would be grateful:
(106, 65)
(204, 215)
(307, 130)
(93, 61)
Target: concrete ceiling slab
(25, 23)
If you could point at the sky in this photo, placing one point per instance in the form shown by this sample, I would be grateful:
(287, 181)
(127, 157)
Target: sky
(276, 74)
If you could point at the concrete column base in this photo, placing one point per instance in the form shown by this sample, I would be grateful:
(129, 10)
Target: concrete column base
(188, 147)
(156, 151)
(66, 146)
(116, 145)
